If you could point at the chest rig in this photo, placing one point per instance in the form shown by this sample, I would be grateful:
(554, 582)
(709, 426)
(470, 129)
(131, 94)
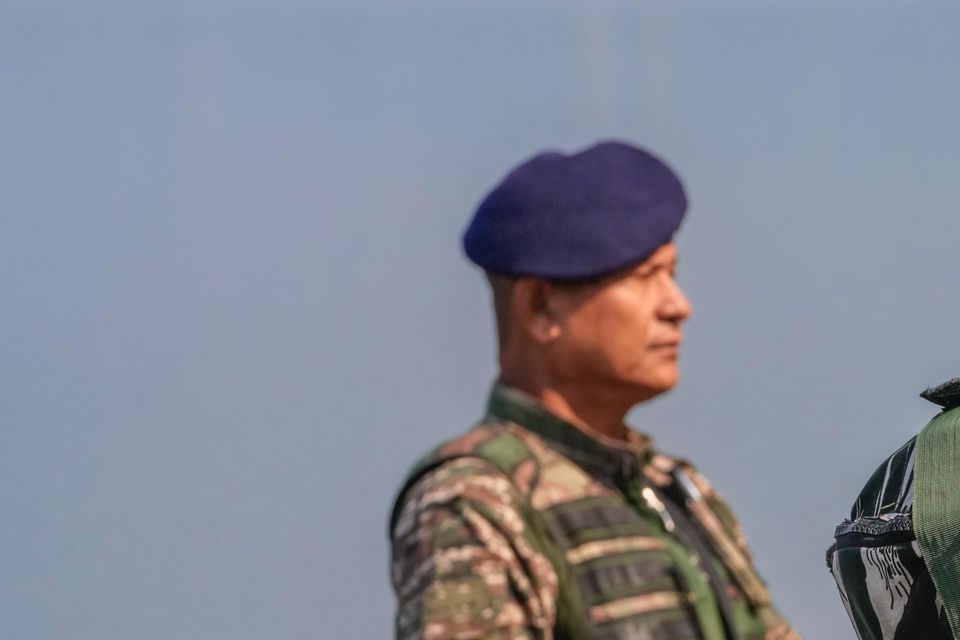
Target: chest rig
(641, 549)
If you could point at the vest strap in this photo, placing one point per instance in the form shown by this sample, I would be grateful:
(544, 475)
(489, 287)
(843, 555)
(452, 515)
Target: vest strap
(936, 509)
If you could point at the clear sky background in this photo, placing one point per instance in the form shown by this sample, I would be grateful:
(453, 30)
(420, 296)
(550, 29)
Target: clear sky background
(234, 307)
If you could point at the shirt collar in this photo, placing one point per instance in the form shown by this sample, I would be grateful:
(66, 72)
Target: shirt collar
(598, 454)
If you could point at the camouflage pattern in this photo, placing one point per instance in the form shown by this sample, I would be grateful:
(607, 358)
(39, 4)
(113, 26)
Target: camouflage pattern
(876, 560)
(527, 527)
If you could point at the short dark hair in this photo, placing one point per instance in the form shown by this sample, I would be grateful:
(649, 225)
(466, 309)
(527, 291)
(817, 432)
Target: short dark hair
(501, 289)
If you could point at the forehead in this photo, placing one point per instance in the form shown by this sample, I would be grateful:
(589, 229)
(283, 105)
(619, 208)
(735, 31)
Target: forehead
(665, 255)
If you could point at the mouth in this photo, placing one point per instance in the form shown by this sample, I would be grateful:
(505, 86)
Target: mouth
(670, 348)
(668, 344)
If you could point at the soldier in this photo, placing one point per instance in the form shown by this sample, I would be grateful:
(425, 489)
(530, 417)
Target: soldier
(550, 518)
(896, 559)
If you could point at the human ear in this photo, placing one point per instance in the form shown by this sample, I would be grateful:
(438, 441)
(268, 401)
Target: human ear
(532, 305)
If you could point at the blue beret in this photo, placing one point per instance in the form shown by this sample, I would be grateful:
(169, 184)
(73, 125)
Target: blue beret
(577, 216)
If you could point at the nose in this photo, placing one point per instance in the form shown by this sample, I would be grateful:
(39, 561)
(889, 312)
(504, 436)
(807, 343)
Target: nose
(676, 307)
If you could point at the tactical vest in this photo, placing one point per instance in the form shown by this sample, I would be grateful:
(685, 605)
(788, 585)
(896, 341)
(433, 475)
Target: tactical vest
(633, 560)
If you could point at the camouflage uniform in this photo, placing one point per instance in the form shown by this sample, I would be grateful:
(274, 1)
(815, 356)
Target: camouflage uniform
(877, 561)
(528, 528)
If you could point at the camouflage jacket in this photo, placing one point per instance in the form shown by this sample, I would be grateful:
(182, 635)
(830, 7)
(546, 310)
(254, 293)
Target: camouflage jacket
(876, 559)
(528, 528)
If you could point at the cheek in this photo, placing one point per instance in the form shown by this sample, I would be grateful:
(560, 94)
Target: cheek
(619, 334)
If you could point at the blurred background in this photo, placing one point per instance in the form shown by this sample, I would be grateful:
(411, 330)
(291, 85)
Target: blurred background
(234, 307)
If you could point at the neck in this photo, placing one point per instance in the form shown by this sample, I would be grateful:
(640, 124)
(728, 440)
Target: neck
(591, 410)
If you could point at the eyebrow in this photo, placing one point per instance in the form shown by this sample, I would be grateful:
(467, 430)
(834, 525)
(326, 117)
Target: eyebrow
(672, 264)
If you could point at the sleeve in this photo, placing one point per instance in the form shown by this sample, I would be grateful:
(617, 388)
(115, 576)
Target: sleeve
(463, 563)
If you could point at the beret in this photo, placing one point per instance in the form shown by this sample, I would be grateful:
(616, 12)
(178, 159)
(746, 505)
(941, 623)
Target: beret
(575, 216)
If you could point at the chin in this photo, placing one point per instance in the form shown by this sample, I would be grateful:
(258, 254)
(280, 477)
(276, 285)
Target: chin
(644, 382)
(653, 386)
(640, 392)
(665, 386)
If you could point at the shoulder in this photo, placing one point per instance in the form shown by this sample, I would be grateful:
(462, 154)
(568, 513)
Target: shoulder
(709, 507)
(889, 490)
(463, 556)
(875, 556)
(452, 488)
(882, 512)
(705, 505)
(490, 461)
(687, 480)
(881, 515)
(876, 559)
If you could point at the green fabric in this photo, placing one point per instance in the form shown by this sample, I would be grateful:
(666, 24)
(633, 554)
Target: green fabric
(505, 451)
(936, 511)
(593, 452)
(704, 600)
(571, 610)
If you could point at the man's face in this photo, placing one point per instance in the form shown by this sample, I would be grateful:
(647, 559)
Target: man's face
(623, 332)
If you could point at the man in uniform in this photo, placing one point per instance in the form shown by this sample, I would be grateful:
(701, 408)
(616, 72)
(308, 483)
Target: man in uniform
(896, 559)
(550, 518)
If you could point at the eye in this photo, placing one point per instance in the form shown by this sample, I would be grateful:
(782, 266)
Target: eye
(661, 269)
